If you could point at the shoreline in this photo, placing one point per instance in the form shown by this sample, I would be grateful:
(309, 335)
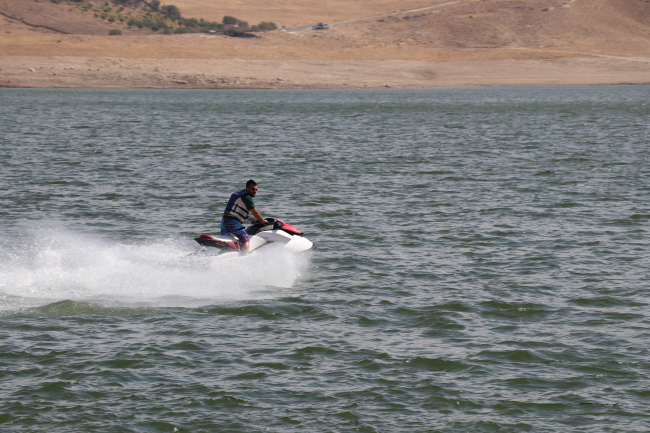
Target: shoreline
(129, 73)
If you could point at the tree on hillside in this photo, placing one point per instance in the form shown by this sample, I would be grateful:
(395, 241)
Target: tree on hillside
(172, 12)
(135, 23)
(265, 27)
(229, 20)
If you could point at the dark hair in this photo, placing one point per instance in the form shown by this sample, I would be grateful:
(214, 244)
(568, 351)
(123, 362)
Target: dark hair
(251, 182)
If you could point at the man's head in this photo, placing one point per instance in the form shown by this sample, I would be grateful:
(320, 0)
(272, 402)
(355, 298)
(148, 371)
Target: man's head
(251, 187)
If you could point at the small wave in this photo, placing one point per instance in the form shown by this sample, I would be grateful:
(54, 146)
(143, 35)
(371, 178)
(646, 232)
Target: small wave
(437, 364)
(605, 302)
(515, 310)
(517, 355)
(72, 308)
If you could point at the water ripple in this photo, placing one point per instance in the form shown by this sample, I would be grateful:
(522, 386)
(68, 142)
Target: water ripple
(482, 261)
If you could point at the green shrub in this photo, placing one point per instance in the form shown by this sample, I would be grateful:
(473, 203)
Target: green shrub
(135, 23)
(172, 12)
(192, 22)
(229, 20)
(265, 27)
(146, 22)
(208, 25)
(115, 32)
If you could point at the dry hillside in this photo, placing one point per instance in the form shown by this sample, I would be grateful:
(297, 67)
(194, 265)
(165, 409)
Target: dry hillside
(382, 30)
(615, 27)
(49, 17)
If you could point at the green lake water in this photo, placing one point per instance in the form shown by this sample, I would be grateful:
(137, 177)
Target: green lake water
(482, 261)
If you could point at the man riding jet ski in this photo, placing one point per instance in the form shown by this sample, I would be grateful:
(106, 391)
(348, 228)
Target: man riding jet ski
(235, 239)
(237, 210)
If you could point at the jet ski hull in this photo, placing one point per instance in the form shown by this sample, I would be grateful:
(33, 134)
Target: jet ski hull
(276, 232)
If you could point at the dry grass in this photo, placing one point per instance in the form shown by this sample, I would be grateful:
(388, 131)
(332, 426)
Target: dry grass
(439, 31)
(444, 30)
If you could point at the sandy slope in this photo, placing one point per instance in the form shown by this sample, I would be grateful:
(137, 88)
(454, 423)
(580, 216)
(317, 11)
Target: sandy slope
(440, 43)
(88, 72)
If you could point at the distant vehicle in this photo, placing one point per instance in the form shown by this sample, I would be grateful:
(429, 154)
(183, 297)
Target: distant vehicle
(320, 26)
(282, 30)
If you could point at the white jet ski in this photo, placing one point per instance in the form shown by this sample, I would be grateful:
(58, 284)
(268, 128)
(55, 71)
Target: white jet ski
(275, 232)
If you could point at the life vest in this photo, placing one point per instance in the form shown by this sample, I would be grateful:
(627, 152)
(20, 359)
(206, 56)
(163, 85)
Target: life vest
(236, 206)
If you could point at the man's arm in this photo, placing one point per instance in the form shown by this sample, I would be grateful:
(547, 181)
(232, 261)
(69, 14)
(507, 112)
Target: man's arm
(257, 216)
(248, 201)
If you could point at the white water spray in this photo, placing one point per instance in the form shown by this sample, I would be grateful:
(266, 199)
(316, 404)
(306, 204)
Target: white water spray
(62, 265)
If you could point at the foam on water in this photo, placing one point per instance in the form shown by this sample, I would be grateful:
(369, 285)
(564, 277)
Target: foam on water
(58, 264)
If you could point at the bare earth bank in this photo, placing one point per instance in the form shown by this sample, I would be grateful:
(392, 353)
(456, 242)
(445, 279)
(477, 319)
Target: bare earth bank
(112, 72)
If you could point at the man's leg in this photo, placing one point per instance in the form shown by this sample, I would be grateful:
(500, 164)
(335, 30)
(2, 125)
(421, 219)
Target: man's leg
(236, 229)
(244, 240)
(245, 247)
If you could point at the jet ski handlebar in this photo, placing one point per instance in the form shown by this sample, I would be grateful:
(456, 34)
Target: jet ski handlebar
(269, 221)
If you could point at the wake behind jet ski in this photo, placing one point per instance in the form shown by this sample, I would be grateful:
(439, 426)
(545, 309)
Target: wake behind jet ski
(273, 232)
